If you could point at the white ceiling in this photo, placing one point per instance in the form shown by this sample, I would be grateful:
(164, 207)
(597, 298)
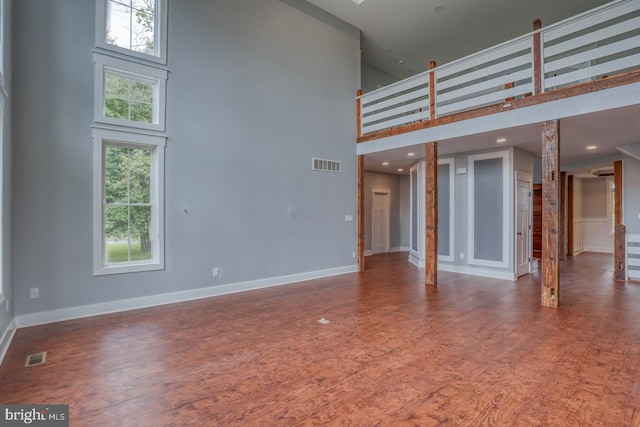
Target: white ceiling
(414, 32)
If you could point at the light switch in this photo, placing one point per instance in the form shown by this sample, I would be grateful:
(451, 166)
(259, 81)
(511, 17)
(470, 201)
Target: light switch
(348, 218)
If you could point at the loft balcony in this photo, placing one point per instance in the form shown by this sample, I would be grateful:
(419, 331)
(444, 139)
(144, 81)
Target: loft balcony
(592, 59)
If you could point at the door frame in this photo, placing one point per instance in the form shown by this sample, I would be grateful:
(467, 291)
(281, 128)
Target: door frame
(528, 178)
(387, 192)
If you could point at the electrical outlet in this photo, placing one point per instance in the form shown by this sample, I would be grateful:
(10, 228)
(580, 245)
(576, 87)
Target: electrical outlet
(215, 272)
(354, 255)
(461, 255)
(34, 293)
(348, 218)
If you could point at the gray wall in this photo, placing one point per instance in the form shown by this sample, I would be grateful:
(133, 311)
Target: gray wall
(631, 196)
(372, 77)
(397, 214)
(6, 309)
(594, 198)
(256, 89)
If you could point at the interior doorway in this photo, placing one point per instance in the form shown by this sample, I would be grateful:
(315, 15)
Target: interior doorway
(380, 220)
(523, 225)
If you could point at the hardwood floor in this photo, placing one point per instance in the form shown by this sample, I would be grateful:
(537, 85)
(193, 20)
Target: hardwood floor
(471, 352)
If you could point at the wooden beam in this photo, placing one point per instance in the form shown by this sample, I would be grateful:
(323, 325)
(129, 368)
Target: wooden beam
(359, 112)
(431, 214)
(620, 236)
(620, 267)
(550, 214)
(537, 58)
(570, 214)
(432, 91)
(563, 215)
(361, 213)
(617, 180)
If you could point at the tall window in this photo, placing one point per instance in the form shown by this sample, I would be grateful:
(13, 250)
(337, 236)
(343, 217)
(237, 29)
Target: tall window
(129, 94)
(133, 27)
(128, 208)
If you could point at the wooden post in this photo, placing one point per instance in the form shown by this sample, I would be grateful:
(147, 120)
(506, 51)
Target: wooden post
(359, 112)
(570, 215)
(432, 91)
(537, 58)
(550, 213)
(620, 267)
(563, 215)
(620, 236)
(617, 180)
(431, 214)
(361, 213)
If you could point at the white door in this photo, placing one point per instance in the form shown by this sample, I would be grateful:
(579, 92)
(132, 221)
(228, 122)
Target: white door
(380, 221)
(523, 228)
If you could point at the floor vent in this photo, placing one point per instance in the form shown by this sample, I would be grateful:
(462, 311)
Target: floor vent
(326, 165)
(36, 359)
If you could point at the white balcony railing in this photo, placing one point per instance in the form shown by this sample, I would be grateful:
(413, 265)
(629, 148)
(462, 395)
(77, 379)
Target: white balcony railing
(599, 43)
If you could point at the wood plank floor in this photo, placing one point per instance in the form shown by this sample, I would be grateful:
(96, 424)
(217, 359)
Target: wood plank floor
(472, 352)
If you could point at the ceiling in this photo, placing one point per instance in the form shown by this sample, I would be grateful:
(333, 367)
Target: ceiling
(418, 31)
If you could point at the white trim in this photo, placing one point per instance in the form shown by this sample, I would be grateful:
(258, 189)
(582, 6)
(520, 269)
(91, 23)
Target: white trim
(528, 178)
(506, 202)
(368, 252)
(2, 46)
(7, 337)
(132, 70)
(399, 249)
(452, 194)
(100, 137)
(78, 312)
(415, 260)
(160, 39)
(473, 271)
(600, 249)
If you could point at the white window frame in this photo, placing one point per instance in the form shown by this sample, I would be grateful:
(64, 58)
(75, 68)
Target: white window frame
(506, 200)
(133, 70)
(101, 138)
(2, 207)
(160, 42)
(452, 194)
(2, 47)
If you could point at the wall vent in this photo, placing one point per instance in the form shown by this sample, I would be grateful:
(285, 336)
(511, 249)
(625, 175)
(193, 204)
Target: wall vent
(36, 359)
(327, 165)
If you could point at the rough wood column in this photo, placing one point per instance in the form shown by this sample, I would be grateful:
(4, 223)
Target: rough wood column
(431, 214)
(360, 213)
(570, 215)
(550, 213)
(620, 236)
(563, 215)
(432, 91)
(537, 58)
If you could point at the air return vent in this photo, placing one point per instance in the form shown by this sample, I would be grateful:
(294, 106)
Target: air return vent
(326, 165)
(36, 359)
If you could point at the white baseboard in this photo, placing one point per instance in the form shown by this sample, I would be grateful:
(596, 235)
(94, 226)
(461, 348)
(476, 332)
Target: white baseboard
(34, 319)
(399, 249)
(5, 339)
(601, 249)
(473, 271)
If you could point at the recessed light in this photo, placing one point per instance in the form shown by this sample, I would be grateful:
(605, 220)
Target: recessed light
(411, 154)
(400, 61)
(400, 170)
(357, 1)
(501, 140)
(385, 163)
(591, 147)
